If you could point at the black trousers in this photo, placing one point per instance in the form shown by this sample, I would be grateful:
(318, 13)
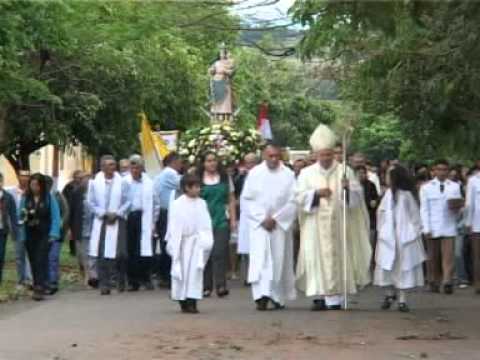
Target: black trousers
(36, 244)
(215, 272)
(138, 267)
(112, 271)
(163, 262)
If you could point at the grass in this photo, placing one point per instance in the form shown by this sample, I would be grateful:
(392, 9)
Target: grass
(69, 273)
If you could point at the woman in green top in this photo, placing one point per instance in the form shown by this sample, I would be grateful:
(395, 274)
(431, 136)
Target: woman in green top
(218, 192)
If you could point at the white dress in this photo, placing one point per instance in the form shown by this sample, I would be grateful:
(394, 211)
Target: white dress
(400, 254)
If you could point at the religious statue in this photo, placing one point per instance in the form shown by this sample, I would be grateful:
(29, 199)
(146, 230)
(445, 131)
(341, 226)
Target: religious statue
(221, 87)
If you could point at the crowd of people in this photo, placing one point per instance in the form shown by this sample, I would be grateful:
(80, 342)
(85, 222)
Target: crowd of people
(278, 226)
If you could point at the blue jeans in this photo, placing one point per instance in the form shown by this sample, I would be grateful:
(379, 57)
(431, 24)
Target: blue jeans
(3, 243)
(54, 263)
(24, 272)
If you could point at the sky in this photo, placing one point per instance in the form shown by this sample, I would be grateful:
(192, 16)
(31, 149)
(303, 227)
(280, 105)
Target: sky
(276, 12)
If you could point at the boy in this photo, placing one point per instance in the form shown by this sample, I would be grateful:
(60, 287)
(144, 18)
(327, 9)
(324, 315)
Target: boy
(189, 242)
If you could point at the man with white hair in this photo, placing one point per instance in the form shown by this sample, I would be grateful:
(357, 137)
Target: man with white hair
(320, 196)
(108, 199)
(140, 225)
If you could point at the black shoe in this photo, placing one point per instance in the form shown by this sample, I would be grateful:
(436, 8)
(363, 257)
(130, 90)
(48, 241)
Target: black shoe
(183, 306)
(51, 291)
(105, 292)
(277, 306)
(133, 288)
(403, 307)
(222, 292)
(262, 304)
(387, 302)
(207, 293)
(477, 291)
(192, 306)
(93, 283)
(434, 288)
(448, 289)
(334, 307)
(319, 305)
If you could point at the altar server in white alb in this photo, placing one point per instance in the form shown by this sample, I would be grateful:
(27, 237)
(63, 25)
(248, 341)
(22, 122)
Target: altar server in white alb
(399, 254)
(189, 242)
(270, 198)
(319, 194)
(109, 201)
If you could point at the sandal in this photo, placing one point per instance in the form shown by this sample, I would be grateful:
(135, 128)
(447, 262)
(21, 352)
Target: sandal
(207, 293)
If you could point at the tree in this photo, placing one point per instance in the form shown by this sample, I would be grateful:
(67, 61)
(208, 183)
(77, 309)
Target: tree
(414, 59)
(80, 71)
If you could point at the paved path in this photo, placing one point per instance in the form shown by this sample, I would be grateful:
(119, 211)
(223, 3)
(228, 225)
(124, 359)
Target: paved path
(82, 325)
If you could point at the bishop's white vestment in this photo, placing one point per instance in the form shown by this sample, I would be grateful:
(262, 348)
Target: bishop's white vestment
(320, 270)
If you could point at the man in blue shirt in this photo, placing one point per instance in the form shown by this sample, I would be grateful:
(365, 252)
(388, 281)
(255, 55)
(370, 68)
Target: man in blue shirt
(167, 183)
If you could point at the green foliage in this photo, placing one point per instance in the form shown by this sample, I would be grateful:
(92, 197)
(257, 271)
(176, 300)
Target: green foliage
(289, 88)
(417, 60)
(80, 71)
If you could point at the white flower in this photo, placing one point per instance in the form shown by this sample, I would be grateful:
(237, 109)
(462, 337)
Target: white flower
(184, 152)
(191, 159)
(192, 143)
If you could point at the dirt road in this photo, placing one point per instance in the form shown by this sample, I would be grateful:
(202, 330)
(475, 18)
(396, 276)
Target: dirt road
(83, 325)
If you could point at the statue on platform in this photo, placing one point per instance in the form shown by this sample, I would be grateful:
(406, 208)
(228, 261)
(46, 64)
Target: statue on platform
(221, 87)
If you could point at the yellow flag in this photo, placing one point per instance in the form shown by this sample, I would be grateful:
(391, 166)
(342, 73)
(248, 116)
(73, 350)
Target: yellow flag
(154, 149)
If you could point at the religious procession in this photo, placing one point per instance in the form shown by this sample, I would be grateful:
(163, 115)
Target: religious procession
(246, 179)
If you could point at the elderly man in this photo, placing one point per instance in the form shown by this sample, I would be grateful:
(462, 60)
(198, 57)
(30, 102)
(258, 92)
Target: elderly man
(166, 184)
(24, 274)
(140, 225)
(270, 199)
(320, 197)
(109, 201)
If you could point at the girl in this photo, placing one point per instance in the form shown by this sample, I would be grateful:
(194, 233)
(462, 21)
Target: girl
(189, 242)
(40, 225)
(399, 253)
(219, 193)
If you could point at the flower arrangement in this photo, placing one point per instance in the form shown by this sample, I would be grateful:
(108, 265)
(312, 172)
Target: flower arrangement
(231, 144)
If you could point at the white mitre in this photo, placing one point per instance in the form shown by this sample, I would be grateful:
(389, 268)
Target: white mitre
(322, 138)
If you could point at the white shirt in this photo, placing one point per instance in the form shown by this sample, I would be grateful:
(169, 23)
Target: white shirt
(437, 219)
(472, 206)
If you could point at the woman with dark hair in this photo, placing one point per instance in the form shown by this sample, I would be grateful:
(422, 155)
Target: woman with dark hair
(40, 225)
(219, 193)
(399, 253)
